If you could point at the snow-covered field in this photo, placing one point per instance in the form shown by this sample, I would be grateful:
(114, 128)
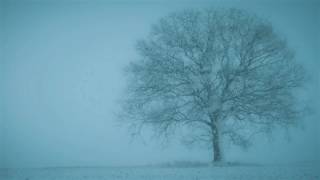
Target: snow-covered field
(301, 172)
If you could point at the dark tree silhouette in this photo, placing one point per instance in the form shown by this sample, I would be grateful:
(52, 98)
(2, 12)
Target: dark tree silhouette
(222, 74)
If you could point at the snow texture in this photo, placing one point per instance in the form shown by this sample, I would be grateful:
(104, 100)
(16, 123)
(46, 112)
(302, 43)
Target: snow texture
(280, 172)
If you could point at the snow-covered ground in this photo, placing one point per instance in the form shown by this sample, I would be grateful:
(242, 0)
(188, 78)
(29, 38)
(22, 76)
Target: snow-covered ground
(279, 172)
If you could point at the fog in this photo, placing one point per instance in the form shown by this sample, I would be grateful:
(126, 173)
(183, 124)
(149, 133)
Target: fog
(62, 77)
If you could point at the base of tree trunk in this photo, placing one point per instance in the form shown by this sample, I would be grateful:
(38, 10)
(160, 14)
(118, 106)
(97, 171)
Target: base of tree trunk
(221, 164)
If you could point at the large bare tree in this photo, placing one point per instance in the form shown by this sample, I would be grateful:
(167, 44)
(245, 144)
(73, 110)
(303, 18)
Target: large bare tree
(221, 74)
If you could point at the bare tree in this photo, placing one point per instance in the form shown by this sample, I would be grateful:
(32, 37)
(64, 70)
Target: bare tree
(219, 73)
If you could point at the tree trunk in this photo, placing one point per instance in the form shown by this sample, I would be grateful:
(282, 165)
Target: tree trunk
(216, 149)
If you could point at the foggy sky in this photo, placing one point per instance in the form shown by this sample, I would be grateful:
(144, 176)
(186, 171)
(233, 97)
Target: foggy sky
(61, 77)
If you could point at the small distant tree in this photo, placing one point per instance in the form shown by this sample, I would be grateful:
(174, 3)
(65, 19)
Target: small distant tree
(221, 74)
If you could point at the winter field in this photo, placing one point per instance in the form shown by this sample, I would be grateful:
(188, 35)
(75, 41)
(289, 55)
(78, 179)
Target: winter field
(239, 172)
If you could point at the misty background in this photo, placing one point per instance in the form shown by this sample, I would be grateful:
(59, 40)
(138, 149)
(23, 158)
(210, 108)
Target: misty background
(61, 78)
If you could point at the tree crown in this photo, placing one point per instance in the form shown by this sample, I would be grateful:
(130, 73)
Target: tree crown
(225, 67)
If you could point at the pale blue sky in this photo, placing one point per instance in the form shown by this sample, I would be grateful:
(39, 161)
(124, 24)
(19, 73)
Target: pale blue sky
(61, 76)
